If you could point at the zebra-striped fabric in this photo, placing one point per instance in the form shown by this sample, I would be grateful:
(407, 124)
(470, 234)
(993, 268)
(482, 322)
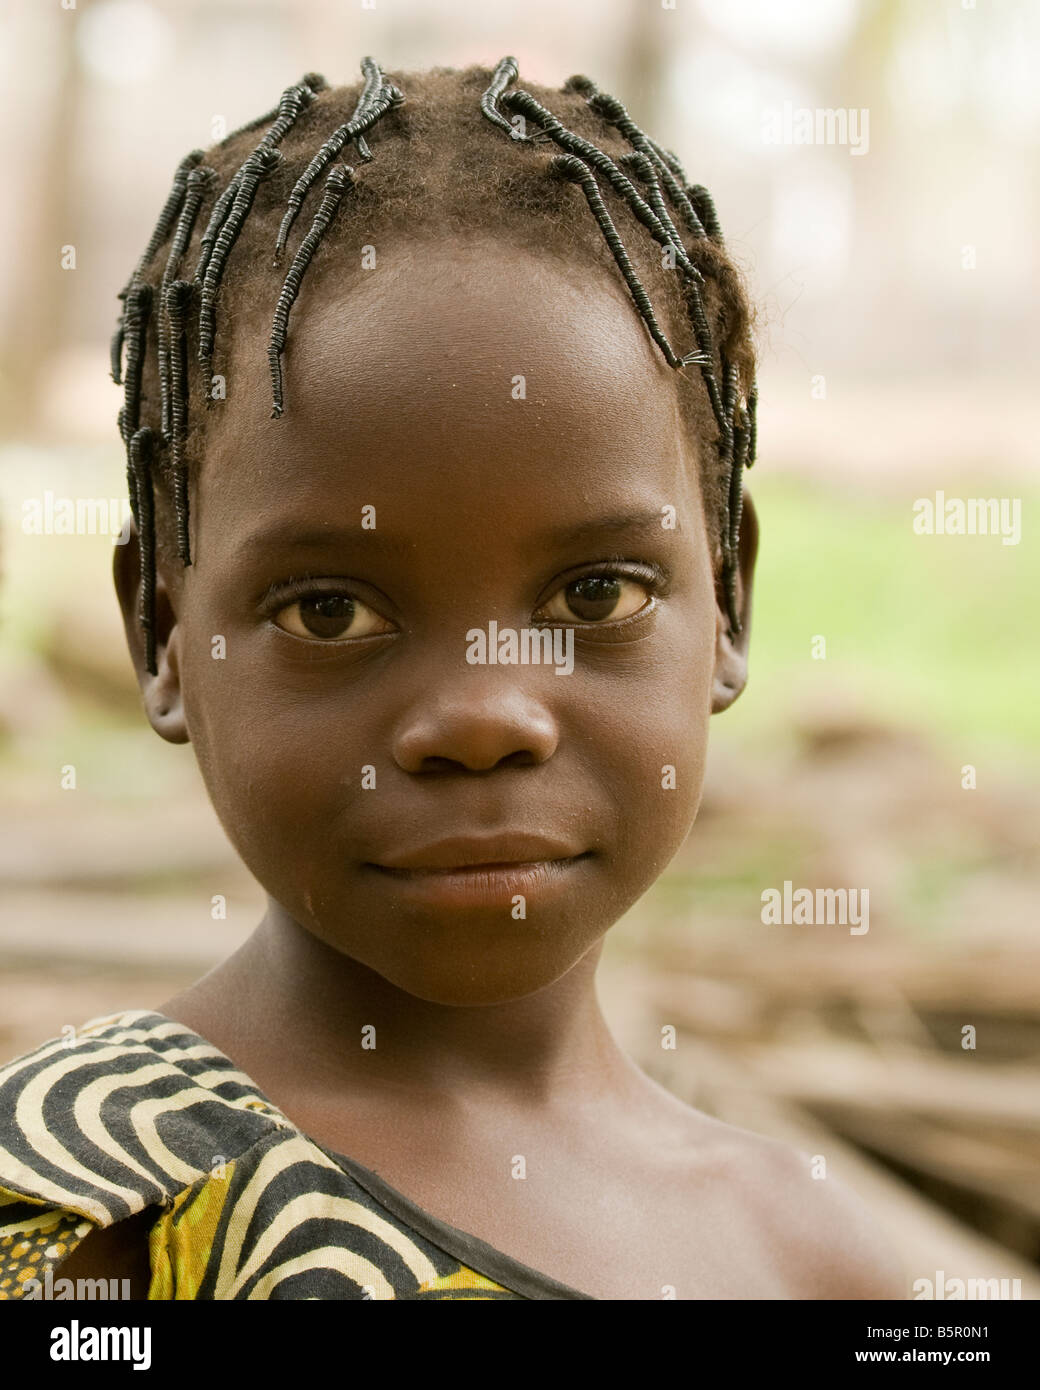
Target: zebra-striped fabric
(135, 1111)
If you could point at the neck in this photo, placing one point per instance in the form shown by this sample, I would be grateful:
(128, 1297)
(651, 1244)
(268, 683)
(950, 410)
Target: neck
(285, 983)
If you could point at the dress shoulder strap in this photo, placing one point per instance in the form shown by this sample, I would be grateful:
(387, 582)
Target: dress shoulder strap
(124, 1113)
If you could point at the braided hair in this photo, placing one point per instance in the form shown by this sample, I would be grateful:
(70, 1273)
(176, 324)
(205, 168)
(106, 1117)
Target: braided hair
(452, 152)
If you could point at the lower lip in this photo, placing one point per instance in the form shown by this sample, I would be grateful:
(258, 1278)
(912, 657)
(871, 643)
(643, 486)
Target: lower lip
(484, 885)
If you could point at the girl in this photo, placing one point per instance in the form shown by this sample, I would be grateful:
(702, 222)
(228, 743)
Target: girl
(441, 563)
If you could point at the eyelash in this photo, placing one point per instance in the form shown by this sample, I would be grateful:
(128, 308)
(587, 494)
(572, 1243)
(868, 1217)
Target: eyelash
(654, 578)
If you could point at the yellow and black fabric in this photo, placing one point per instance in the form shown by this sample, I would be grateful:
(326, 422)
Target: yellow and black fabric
(136, 1111)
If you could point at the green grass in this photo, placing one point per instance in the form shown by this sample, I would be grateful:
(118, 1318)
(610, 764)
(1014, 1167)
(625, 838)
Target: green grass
(933, 632)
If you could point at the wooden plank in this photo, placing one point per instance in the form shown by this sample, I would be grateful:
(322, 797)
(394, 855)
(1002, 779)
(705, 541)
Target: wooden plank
(1000, 1173)
(973, 977)
(942, 1086)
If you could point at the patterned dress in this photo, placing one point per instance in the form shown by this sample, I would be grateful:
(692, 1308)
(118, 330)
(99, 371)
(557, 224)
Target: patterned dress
(136, 1111)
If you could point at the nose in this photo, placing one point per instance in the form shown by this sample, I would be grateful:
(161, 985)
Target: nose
(483, 720)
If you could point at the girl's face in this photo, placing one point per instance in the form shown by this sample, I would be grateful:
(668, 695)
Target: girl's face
(472, 437)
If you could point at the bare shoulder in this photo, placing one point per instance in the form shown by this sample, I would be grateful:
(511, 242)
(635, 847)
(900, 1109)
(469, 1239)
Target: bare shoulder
(819, 1238)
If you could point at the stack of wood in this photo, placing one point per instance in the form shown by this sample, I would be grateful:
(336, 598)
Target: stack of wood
(914, 1068)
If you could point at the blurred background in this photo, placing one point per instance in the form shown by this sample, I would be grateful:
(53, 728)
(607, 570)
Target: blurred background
(896, 274)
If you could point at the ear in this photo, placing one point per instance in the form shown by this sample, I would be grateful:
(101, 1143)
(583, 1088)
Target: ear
(731, 652)
(162, 692)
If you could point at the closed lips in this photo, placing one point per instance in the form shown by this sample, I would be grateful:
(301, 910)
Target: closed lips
(503, 852)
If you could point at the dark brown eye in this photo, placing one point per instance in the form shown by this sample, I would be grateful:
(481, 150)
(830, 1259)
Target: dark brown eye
(598, 598)
(330, 617)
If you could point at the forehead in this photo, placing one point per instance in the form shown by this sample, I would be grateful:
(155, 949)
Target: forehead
(487, 364)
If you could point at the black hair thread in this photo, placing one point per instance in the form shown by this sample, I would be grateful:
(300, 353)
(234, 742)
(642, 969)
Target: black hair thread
(652, 163)
(370, 108)
(702, 201)
(231, 208)
(612, 111)
(161, 231)
(571, 167)
(313, 80)
(141, 455)
(138, 305)
(259, 164)
(339, 180)
(199, 181)
(590, 153)
(179, 296)
(505, 72)
(752, 424)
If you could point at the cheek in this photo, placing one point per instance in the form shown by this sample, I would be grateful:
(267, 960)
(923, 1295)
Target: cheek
(656, 746)
(272, 774)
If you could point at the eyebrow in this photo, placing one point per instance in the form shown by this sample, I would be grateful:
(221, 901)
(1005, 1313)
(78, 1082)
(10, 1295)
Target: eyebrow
(619, 521)
(330, 538)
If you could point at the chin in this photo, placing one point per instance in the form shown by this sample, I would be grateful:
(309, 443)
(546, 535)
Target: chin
(469, 983)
